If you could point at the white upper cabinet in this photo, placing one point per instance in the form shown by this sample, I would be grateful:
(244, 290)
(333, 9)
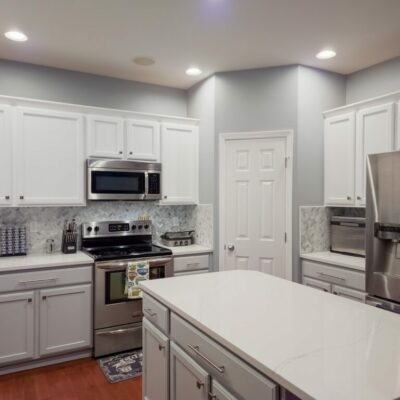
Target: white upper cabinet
(339, 143)
(49, 158)
(6, 169)
(143, 140)
(375, 134)
(105, 136)
(179, 157)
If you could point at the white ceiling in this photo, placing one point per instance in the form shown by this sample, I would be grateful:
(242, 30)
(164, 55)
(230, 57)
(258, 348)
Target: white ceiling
(103, 36)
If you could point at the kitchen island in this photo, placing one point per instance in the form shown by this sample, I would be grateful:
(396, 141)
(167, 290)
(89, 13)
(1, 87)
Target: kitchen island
(246, 335)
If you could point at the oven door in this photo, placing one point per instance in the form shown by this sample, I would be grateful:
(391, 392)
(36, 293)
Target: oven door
(116, 184)
(112, 307)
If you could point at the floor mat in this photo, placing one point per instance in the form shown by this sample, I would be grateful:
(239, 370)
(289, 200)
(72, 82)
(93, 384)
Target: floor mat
(121, 366)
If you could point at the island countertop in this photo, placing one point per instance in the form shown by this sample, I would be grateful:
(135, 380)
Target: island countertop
(317, 345)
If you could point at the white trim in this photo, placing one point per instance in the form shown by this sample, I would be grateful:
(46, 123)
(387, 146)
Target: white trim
(288, 135)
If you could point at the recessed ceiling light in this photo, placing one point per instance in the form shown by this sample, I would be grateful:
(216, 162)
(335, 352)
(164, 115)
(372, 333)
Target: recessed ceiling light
(326, 54)
(193, 71)
(16, 36)
(144, 61)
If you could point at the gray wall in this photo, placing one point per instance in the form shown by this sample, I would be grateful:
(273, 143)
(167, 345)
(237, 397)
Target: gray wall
(374, 81)
(28, 80)
(201, 104)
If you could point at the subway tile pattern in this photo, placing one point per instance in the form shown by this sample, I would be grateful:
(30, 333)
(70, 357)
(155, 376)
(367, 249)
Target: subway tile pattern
(47, 222)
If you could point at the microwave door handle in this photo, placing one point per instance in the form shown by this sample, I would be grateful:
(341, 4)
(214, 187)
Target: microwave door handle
(146, 184)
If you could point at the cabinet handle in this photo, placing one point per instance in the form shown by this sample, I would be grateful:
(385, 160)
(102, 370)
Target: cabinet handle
(161, 347)
(212, 396)
(37, 281)
(150, 312)
(327, 276)
(21, 197)
(199, 384)
(7, 197)
(220, 369)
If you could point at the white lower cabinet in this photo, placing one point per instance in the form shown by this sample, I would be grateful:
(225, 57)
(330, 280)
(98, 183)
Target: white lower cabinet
(16, 327)
(188, 379)
(155, 363)
(65, 319)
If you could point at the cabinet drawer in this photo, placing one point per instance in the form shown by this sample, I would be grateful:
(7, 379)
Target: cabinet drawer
(191, 263)
(155, 312)
(349, 293)
(220, 363)
(338, 276)
(45, 278)
(316, 284)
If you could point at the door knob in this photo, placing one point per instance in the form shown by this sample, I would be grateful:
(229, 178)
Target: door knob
(231, 247)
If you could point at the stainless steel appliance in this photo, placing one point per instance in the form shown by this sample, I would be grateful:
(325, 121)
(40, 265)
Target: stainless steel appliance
(123, 180)
(113, 244)
(348, 235)
(183, 238)
(383, 230)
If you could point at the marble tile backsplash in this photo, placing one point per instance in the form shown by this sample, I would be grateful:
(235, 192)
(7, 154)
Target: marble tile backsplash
(47, 222)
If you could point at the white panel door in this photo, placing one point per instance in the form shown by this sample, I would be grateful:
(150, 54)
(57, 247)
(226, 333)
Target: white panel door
(255, 180)
(339, 144)
(65, 319)
(105, 136)
(143, 140)
(6, 171)
(49, 158)
(187, 379)
(155, 363)
(375, 134)
(179, 157)
(16, 327)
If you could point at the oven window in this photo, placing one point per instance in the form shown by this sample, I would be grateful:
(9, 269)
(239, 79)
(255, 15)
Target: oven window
(118, 182)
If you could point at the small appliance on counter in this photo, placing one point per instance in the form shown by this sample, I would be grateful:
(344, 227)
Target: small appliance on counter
(13, 241)
(183, 238)
(348, 235)
(69, 238)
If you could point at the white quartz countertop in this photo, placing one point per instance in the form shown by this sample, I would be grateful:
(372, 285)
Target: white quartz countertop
(40, 261)
(341, 260)
(317, 345)
(188, 250)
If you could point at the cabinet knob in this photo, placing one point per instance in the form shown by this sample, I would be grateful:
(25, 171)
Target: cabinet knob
(334, 293)
(199, 384)
(29, 300)
(21, 197)
(161, 347)
(120, 152)
(212, 396)
(7, 197)
(165, 197)
(358, 197)
(44, 297)
(348, 198)
(131, 152)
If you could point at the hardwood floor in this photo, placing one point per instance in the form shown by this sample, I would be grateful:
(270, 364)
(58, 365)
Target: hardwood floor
(75, 380)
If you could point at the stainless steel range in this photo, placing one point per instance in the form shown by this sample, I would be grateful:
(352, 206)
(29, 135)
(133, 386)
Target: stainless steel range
(113, 244)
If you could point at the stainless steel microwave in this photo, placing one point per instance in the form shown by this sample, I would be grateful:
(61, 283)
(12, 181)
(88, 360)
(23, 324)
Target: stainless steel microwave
(123, 180)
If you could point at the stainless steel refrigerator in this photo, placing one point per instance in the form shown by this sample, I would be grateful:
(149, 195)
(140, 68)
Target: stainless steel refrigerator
(383, 231)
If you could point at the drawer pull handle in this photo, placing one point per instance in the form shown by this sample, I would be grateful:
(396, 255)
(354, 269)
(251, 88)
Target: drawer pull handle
(331, 277)
(199, 384)
(193, 265)
(161, 347)
(120, 331)
(150, 312)
(215, 366)
(212, 396)
(37, 281)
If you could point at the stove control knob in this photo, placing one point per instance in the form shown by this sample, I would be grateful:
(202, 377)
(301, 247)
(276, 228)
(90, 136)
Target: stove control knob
(133, 227)
(96, 228)
(176, 243)
(140, 226)
(146, 227)
(89, 229)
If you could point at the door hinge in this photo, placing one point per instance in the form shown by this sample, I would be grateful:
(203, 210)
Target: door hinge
(285, 237)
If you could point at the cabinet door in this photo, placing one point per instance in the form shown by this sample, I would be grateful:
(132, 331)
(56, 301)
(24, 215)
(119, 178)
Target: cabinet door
(105, 136)
(6, 172)
(218, 392)
(349, 293)
(339, 137)
(143, 140)
(16, 327)
(187, 379)
(49, 158)
(65, 319)
(179, 157)
(375, 134)
(316, 284)
(155, 363)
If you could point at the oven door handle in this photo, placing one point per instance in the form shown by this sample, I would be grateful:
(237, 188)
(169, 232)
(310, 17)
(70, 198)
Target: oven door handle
(120, 331)
(122, 265)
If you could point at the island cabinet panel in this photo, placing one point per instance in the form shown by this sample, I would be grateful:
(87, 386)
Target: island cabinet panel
(188, 379)
(228, 369)
(155, 363)
(155, 312)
